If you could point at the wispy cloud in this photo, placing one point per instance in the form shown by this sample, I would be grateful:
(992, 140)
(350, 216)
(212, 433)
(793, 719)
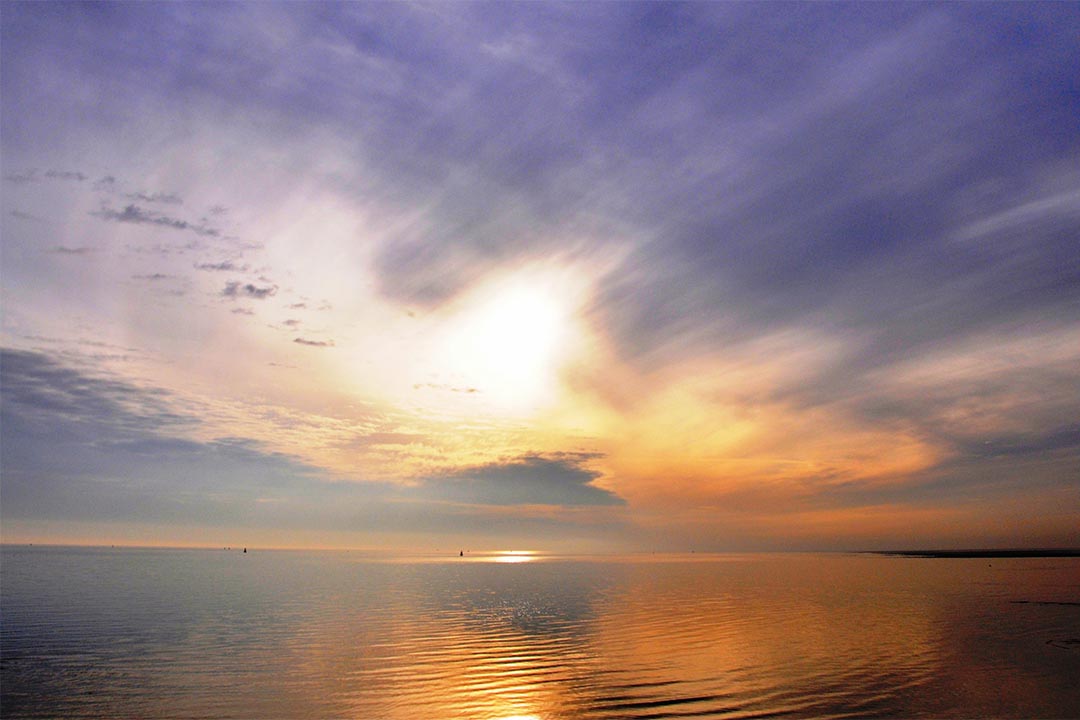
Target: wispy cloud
(26, 216)
(445, 388)
(157, 197)
(65, 250)
(29, 176)
(224, 266)
(21, 178)
(135, 215)
(314, 343)
(65, 175)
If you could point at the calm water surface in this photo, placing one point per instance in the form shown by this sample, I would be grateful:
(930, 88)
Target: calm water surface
(98, 632)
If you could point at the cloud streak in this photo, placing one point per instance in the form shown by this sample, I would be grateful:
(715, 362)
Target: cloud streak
(135, 215)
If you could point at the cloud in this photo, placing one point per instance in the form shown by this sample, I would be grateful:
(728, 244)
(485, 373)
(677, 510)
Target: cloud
(65, 175)
(138, 216)
(236, 289)
(446, 388)
(80, 446)
(27, 176)
(528, 480)
(153, 277)
(882, 189)
(64, 250)
(26, 216)
(314, 343)
(224, 266)
(83, 446)
(157, 197)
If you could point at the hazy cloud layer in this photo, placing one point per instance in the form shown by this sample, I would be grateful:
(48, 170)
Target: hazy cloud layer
(78, 446)
(816, 237)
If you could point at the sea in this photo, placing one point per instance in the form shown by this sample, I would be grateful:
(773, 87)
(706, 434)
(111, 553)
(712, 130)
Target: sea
(200, 633)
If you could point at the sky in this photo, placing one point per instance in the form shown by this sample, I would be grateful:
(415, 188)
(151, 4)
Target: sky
(578, 277)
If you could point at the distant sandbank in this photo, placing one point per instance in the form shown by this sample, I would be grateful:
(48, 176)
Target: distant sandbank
(1028, 553)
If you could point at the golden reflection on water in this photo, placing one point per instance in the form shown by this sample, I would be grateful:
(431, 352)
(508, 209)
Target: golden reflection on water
(788, 635)
(505, 637)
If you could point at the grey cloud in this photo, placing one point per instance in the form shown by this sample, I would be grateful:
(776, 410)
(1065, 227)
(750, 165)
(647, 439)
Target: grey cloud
(64, 250)
(528, 480)
(314, 343)
(136, 215)
(27, 176)
(1064, 439)
(152, 277)
(82, 446)
(26, 216)
(40, 387)
(157, 197)
(65, 175)
(236, 289)
(243, 311)
(224, 266)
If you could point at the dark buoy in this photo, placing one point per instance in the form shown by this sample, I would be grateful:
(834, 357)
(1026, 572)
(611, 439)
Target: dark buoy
(461, 553)
(245, 550)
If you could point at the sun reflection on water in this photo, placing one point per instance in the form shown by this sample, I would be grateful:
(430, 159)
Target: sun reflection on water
(514, 556)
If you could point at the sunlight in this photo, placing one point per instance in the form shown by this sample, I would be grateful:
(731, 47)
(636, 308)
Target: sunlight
(508, 340)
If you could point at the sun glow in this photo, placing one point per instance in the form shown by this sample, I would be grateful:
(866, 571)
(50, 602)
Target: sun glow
(508, 340)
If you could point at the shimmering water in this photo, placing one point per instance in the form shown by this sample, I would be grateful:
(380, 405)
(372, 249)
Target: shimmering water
(198, 633)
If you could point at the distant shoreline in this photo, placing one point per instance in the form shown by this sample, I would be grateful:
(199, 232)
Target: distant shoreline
(1044, 553)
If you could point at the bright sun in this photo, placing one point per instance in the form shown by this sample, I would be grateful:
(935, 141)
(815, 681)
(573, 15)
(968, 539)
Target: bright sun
(508, 340)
